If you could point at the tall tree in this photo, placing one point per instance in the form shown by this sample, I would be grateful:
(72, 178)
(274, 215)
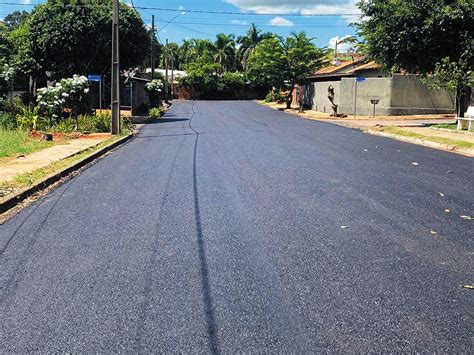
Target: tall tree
(249, 42)
(224, 51)
(421, 37)
(284, 63)
(15, 19)
(72, 39)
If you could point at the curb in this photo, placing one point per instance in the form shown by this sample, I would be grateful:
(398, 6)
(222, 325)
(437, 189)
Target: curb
(11, 201)
(435, 145)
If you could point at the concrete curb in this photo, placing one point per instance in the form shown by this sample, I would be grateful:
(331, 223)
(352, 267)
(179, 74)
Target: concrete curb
(9, 202)
(435, 145)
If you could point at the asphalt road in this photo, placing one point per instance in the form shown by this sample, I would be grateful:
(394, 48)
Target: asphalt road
(220, 229)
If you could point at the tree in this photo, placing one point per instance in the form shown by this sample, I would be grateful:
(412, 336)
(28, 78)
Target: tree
(224, 51)
(421, 37)
(15, 19)
(249, 43)
(285, 63)
(72, 39)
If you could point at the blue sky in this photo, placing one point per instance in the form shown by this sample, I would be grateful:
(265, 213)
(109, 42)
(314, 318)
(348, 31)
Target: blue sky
(281, 17)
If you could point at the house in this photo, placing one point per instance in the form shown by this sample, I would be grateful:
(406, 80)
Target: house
(356, 83)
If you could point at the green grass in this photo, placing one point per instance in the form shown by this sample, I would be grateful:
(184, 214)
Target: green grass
(399, 132)
(452, 126)
(28, 179)
(18, 143)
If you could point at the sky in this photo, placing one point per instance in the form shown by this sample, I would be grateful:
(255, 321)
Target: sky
(175, 19)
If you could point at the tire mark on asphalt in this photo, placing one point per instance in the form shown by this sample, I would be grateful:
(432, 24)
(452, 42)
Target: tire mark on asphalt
(149, 277)
(206, 289)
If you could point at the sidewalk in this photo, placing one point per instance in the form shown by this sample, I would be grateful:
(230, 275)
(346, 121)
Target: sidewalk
(14, 166)
(413, 129)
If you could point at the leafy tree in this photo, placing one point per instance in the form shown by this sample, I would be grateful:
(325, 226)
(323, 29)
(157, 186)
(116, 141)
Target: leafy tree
(15, 19)
(224, 49)
(71, 39)
(170, 51)
(421, 37)
(285, 63)
(249, 43)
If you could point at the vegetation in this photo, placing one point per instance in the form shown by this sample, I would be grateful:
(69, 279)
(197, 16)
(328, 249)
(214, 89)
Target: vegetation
(156, 112)
(19, 143)
(454, 142)
(28, 179)
(218, 70)
(432, 38)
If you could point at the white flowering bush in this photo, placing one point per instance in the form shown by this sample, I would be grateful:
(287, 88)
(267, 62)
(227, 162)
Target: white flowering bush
(70, 93)
(154, 86)
(154, 89)
(7, 74)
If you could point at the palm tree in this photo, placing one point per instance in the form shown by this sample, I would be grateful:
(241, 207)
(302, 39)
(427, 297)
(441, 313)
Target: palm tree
(224, 51)
(185, 53)
(249, 42)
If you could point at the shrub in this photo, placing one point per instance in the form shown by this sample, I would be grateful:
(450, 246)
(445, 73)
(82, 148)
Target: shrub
(66, 125)
(7, 121)
(30, 120)
(102, 122)
(154, 89)
(274, 96)
(68, 93)
(156, 112)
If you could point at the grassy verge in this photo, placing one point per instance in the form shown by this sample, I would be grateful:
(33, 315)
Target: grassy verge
(442, 140)
(17, 143)
(28, 179)
(452, 126)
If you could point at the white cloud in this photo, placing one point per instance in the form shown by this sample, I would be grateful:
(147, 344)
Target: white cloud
(281, 21)
(342, 47)
(304, 7)
(26, 2)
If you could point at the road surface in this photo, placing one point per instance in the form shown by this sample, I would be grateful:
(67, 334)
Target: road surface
(230, 227)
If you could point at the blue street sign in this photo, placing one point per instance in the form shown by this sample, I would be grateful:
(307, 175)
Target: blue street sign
(95, 77)
(360, 79)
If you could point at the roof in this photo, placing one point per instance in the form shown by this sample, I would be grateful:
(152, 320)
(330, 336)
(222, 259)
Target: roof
(368, 66)
(333, 69)
(136, 78)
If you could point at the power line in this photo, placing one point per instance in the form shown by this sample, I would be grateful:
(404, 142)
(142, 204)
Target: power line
(200, 11)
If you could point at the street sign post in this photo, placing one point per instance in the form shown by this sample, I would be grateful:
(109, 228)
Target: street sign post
(97, 78)
(357, 80)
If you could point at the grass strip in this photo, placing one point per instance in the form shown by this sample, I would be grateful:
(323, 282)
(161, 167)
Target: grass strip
(18, 143)
(442, 140)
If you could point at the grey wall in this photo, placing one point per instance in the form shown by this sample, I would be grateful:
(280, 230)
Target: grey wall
(398, 95)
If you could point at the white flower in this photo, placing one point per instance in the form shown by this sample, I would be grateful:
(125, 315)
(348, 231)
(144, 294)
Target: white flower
(65, 94)
(86, 90)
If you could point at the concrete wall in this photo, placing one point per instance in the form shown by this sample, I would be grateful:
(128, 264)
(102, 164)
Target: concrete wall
(319, 101)
(411, 97)
(373, 88)
(397, 95)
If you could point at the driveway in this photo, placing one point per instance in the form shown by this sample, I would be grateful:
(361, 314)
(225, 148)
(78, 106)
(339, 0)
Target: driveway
(230, 227)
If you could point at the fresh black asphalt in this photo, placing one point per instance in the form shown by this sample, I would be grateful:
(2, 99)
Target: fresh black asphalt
(221, 229)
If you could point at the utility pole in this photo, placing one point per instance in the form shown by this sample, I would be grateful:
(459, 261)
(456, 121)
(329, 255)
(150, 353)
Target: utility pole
(166, 71)
(152, 46)
(115, 84)
(172, 76)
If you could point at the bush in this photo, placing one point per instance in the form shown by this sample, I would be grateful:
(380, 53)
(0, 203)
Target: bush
(69, 93)
(274, 96)
(67, 125)
(7, 121)
(156, 112)
(30, 120)
(154, 89)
